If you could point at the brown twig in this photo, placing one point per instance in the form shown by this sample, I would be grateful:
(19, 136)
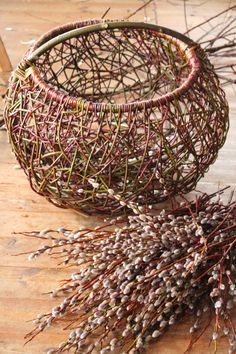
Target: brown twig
(138, 10)
(210, 19)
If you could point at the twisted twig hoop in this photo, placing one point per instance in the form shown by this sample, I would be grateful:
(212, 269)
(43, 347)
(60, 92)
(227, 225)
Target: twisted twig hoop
(127, 106)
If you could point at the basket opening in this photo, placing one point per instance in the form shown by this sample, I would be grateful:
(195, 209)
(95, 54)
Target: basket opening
(116, 66)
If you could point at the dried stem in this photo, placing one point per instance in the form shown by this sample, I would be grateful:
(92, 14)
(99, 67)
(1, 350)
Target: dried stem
(139, 9)
(144, 276)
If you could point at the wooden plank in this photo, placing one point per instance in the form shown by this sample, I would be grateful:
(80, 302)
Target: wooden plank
(5, 64)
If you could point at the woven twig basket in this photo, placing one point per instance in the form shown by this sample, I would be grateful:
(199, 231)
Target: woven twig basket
(127, 106)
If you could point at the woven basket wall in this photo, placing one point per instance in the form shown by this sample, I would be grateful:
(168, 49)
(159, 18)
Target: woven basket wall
(126, 106)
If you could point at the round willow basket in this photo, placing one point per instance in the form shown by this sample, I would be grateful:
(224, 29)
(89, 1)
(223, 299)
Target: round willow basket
(132, 107)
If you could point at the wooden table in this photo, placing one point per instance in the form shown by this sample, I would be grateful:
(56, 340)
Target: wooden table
(22, 283)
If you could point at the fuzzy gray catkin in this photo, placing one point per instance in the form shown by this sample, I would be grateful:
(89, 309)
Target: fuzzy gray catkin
(144, 276)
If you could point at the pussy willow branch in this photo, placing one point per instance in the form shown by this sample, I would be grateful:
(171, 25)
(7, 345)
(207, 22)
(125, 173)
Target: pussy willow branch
(210, 19)
(219, 41)
(144, 276)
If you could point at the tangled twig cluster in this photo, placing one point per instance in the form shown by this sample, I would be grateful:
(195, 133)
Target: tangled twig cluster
(135, 281)
(112, 104)
(219, 42)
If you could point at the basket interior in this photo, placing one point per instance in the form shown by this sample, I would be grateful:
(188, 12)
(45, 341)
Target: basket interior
(118, 66)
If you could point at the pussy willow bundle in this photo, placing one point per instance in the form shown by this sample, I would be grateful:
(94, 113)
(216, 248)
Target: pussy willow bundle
(133, 282)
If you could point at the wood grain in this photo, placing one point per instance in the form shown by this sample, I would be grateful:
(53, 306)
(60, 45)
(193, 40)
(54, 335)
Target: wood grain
(5, 64)
(22, 283)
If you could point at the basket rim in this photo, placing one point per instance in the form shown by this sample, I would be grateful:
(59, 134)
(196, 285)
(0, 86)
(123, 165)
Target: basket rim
(185, 44)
